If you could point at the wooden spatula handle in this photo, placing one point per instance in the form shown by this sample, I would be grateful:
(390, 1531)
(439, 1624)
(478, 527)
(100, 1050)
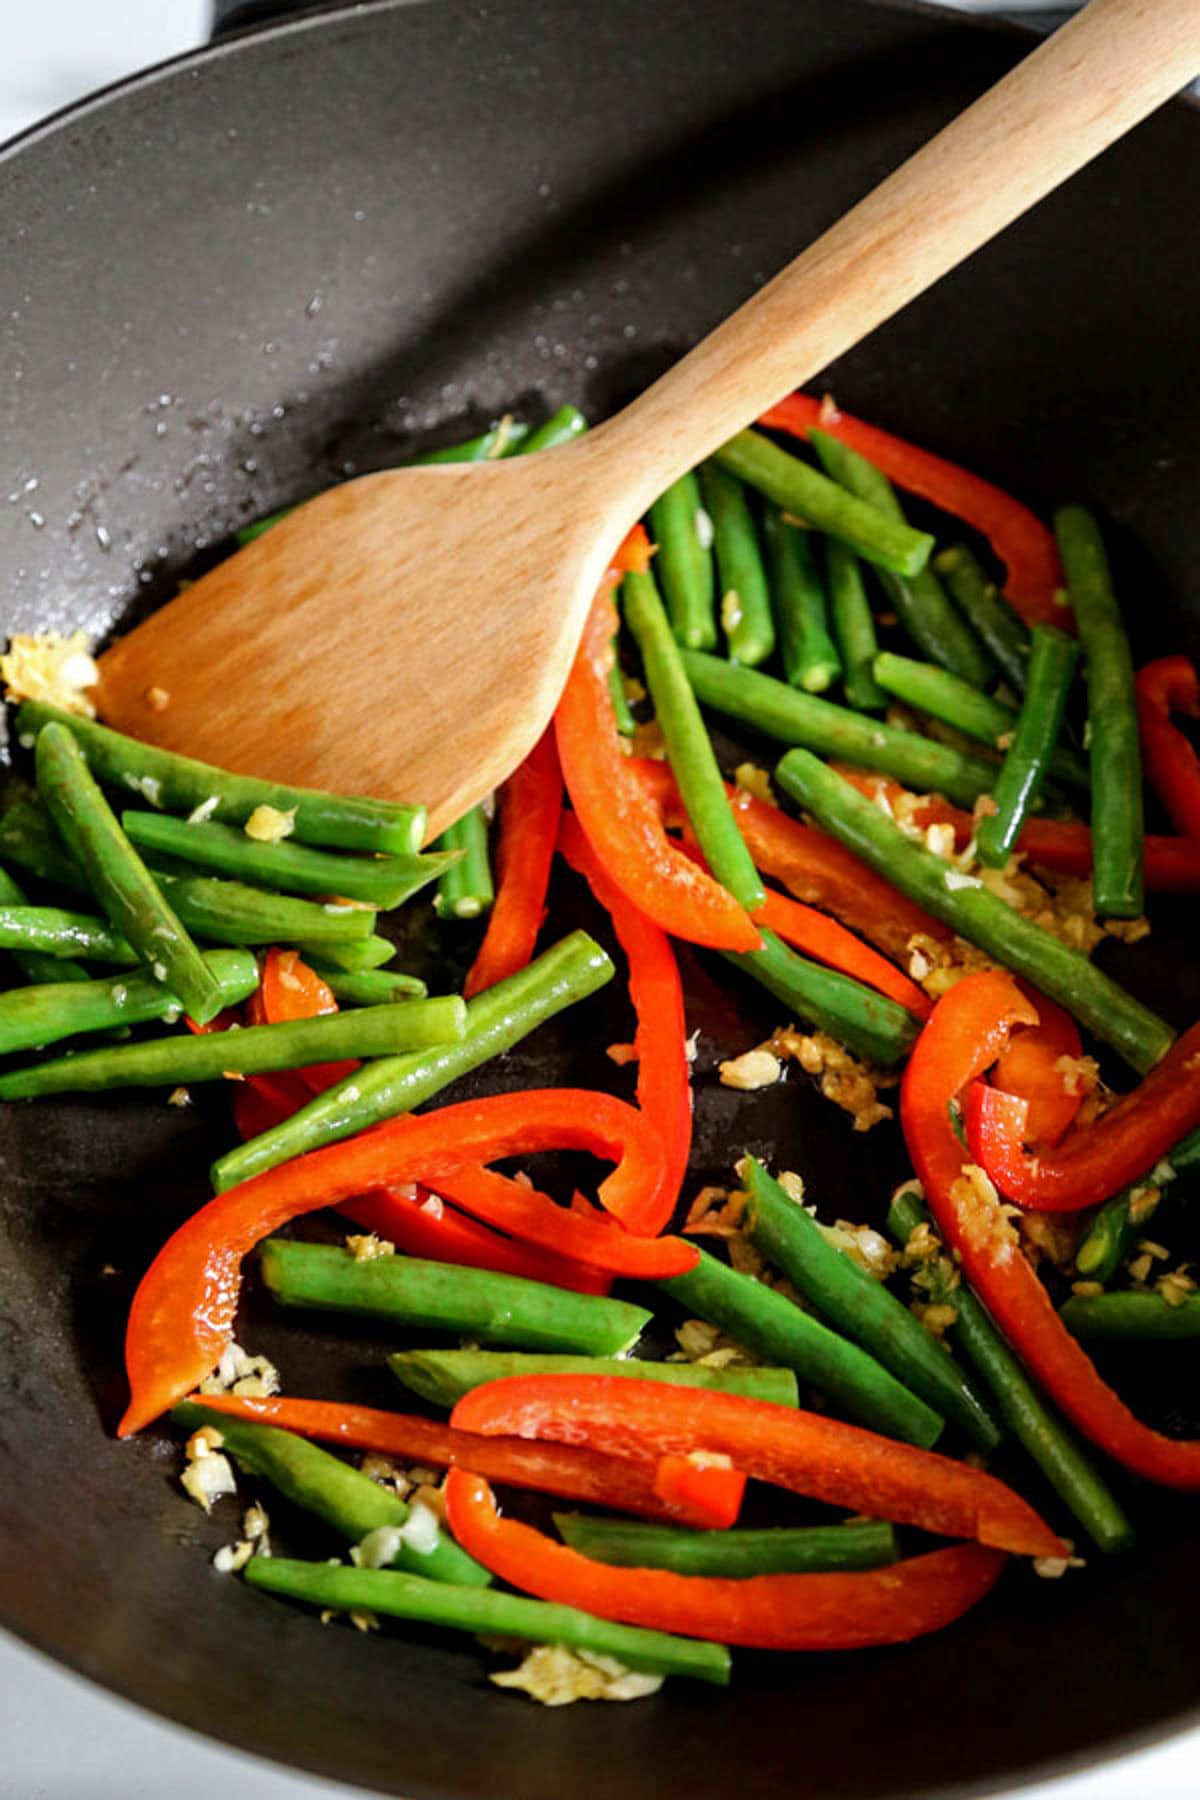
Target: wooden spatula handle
(1078, 92)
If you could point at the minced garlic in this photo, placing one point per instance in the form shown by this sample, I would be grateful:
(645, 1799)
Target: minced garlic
(987, 1224)
(556, 1676)
(52, 668)
(268, 825)
(842, 1078)
(731, 611)
(753, 780)
(366, 1247)
(253, 1377)
(753, 1069)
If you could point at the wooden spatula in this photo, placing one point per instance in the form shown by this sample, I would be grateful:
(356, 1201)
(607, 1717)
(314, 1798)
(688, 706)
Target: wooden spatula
(408, 634)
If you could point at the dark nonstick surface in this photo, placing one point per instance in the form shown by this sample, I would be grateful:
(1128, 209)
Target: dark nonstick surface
(276, 263)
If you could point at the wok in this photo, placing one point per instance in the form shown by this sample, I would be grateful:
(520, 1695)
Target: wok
(295, 255)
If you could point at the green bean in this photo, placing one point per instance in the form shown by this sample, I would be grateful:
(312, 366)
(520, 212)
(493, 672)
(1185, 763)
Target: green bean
(860, 1307)
(809, 655)
(623, 717)
(465, 890)
(444, 1376)
(1111, 1235)
(1032, 750)
(49, 931)
(963, 903)
(504, 439)
(1114, 754)
(924, 608)
(745, 600)
(246, 534)
(782, 712)
(257, 1050)
(688, 747)
(496, 1020)
(763, 1321)
(869, 1024)
(228, 912)
(360, 958)
(34, 964)
(1039, 1430)
(181, 784)
(128, 894)
(383, 881)
(956, 702)
(372, 987)
(346, 1500)
(1131, 1314)
(567, 423)
(484, 1612)
(806, 494)
(774, 1550)
(478, 1303)
(33, 1017)
(999, 626)
(853, 627)
(683, 532)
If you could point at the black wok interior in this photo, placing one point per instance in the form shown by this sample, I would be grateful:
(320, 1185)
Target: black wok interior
(291, 258)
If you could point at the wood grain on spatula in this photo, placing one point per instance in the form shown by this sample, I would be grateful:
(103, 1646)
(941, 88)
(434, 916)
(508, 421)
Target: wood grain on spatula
(408, 634)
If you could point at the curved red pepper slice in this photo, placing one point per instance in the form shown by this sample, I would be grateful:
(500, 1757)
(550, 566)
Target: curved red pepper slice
(559, 1469)
(1028, 1068)
(420, 1225)
(619, 818)
(701, 1488)
(821, 1458)
(664, 1088)
(1022, 543)
(764, 1612)
(182, 1314)
(1089, 1165)
(816, 869)
(963, 1037)
(1163, 687)
(529, 805)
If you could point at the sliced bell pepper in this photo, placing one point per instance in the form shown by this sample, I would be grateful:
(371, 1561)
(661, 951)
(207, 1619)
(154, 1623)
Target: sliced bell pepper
(291, 990)
(573, 1474)
(182, 1314)
(664, 1088)
(1028, 1068)
(963, 1037)
(766, 1612)
(419, 1224)
(1088, 1165)
(814, 868)
(1172, 864)
(1033, 572)
(619, 818)
(701, 1487)
(632, 557)
(1170, 685)
(529, 805)
(263, 1101)
(808, 1453)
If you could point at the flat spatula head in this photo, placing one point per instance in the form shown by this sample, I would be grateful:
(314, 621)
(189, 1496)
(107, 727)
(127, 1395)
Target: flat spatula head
(406, 635)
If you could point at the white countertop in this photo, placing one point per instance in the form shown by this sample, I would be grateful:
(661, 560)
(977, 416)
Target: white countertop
(62, 1738)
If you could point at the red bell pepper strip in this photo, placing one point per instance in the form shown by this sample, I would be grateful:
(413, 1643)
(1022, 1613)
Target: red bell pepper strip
(701, 1487)
(1172, 864)
(633, 555)
(664, 1088)
(1163, 687)
(291, 990)
(1028, 1068)
(585, 1236)
(813, 867)
(963, 1037)
(1088, 1165)
(529, 805)
(559, 1469)
(808, 1453)
(420, 1224)
(620, 819)
(182, 1314)
(1033, 572)
(824, 938)
(263, 1101)
(764, 1612)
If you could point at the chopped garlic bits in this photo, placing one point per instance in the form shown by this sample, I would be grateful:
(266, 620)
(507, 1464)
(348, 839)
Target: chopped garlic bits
(50, 667)
(842, 1078)
(208, 1475)
(238, 1372)
(754, 1069)
(366, 1247)
(556, 1676)
(267, 825)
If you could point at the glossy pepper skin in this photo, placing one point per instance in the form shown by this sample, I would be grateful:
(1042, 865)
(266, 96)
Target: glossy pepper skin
(831, 1611)
(529, 805)
(1167, 685)
(967, 1031)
